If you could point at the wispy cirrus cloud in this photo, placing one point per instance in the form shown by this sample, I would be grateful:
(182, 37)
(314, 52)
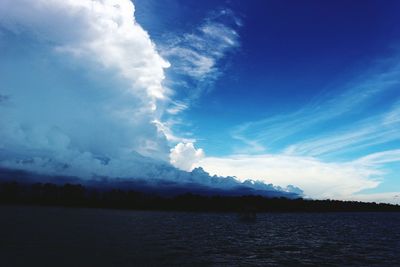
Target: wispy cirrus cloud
(328, 109)
(176, 107)
(368, 132)
(196, 55)
(380, 158)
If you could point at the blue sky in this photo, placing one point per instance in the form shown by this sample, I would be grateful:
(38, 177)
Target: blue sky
(287, 92)
(306, 78)
(291, 55)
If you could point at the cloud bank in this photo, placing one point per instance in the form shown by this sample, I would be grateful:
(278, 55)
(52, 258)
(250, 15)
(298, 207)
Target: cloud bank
(318, 179)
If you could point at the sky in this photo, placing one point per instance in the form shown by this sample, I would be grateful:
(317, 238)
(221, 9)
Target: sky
(303, 93)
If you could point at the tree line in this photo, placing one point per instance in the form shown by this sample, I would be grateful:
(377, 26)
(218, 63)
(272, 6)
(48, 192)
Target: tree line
(77, 195)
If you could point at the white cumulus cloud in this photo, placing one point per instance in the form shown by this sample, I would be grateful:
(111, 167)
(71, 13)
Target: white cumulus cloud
(184, 156)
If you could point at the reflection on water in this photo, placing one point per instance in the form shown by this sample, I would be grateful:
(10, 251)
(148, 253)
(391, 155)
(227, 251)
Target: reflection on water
(90, 237)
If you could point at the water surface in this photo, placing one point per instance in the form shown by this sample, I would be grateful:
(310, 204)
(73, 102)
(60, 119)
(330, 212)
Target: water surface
(38, 236)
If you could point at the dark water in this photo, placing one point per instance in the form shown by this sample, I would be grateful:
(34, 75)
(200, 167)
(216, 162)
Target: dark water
(34, 236)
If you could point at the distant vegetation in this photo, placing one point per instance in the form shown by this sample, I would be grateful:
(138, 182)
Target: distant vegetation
(76, 195)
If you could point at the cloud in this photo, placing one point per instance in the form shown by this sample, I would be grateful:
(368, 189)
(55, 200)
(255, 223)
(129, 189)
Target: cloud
(196, 58)
(333, 108)
(302, 147)
(103, 32)
(83, 93)
(165, 129)
(374, 130)
(176, 107)
(196, 55)
(379, 158)
(84, 83)
(318, 179)
(184, 156)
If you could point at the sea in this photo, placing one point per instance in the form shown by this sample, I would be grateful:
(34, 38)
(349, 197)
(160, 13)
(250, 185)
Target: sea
(56, 236)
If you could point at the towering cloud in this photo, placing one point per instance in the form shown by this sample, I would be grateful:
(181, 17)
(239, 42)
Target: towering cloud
(81, 84)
